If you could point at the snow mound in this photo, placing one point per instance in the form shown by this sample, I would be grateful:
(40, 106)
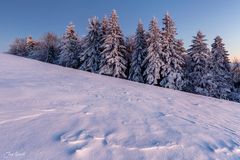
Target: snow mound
(51, 112)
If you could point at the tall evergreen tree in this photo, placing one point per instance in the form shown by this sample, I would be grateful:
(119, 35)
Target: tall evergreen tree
(47, 50)
(90, 57)
(105, 26)
(235, 70)
(180, 49)
(104, 31)
(172, 55)
(152, 62)
(139, 54)
(113, 62)
(70, 48)
(129, 51)
(220, 66)
(199, 73)
(30, 43)
(236, 73)
(51, 47)
(31, 46)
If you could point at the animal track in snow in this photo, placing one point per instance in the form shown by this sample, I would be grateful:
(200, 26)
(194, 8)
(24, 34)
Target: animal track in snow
(80, 140)
(227, 148)
(76, 140)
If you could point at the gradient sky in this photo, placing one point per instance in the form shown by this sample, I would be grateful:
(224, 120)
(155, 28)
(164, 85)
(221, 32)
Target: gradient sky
(20, 18)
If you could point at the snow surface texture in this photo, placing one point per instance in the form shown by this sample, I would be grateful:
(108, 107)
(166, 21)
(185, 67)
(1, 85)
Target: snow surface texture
(49, 112)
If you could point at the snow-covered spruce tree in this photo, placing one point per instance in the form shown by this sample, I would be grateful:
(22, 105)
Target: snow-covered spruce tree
(104, 31)
(236, 73)
(152, 62)
(129, 43)
(30, 43)
(47, 50)
(104, 27)
(70, 48)
(31, 47)
(235, 96)
(180, 49)
(220, 66)
(139, 54)
(90, 57)
(37, 52)
(172, 71)
(113, 62)
(19, 47)
(51, 47)
(199, 73)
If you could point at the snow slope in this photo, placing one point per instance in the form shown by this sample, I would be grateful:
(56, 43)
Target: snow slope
(49, 112)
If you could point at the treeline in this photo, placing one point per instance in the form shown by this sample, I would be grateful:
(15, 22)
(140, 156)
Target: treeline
(154, 57)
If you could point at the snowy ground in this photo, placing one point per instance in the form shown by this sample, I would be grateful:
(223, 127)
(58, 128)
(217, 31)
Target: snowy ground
(52, 113)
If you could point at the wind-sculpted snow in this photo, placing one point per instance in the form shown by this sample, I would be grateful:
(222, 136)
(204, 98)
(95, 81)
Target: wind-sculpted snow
(56, 113)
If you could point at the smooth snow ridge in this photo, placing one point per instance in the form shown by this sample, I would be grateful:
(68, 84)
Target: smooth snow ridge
(55, 113)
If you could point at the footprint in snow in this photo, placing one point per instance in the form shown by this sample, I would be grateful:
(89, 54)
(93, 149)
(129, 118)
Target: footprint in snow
(78, 140)
(75, 140)
(221, 147)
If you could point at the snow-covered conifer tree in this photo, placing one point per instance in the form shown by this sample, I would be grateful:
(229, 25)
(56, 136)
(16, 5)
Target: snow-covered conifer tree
(104, 26)
(220, 67)
(47, 50)
(236, 73)
(199, 75)
(180, 49)
(172, 71)
(19, 47)
(113, 62)
(30, 43)
(138, 56)
(104, 31)
(152, 62)
(51, 47)
(129, 43)
(90, 57)
(70, 48)
(31, 46)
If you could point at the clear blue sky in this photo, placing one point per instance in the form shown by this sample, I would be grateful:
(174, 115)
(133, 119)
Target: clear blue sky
(20, 18)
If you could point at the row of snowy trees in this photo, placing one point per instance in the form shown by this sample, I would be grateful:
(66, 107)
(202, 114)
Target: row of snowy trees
(154, 57)
(46, 50)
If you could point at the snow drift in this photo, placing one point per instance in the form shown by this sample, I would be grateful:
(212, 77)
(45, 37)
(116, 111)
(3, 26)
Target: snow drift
(51, 112)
